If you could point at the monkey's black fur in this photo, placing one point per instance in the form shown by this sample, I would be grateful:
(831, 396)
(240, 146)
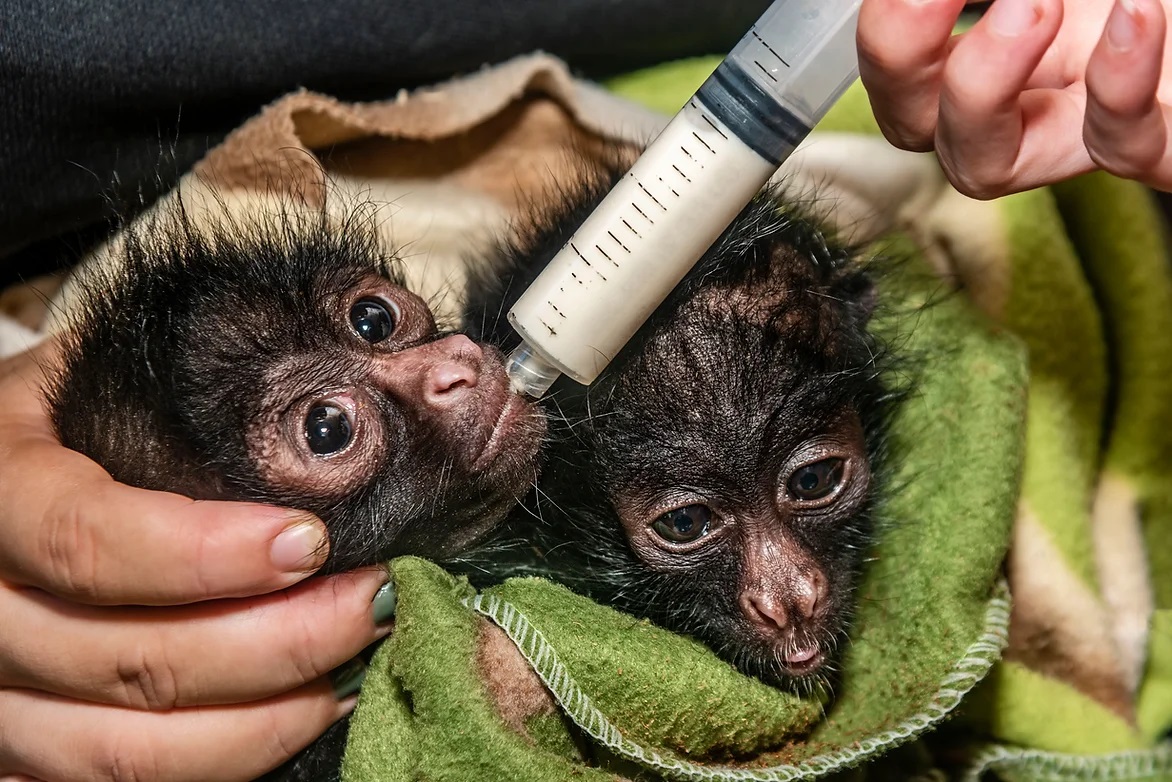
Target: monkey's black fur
(165, 363)
(761, 345)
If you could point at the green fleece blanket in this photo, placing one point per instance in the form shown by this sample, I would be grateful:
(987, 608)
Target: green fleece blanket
(1042, 327)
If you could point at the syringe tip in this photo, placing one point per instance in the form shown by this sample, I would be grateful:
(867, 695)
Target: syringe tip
(529, 373)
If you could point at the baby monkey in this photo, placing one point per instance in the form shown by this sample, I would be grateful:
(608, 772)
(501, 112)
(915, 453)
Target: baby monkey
(283, 360)
(719, 477)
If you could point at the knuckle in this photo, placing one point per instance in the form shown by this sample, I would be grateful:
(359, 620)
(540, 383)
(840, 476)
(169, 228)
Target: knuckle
(913, 137)
(307, 655)
(1130, 166)
(281, 745)
(980, 185)
(125, 757)
(69, 550)
(147, 680)
(913, 140)
(1132, 157)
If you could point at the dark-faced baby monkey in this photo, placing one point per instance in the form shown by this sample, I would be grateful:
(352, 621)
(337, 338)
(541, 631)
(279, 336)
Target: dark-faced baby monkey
(719, 478)
(283, 360)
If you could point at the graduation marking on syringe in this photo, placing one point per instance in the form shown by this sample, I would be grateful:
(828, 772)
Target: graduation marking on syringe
(552, 331)
(640, 211)
(579, 253)
(553, 307)
(712, 125)
(689, 154)
(764, 70)
(648, 192)
(619, 243)
(710, 149)
(681, 173)
(604, 255)
(770, 48)
(632, 230)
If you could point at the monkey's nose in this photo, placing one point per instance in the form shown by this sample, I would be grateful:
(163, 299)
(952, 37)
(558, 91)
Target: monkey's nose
(808, 592)
(764, 610)
(455, 369)
(448, 377)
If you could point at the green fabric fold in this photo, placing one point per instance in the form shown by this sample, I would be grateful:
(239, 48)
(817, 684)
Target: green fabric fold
(1039, 335)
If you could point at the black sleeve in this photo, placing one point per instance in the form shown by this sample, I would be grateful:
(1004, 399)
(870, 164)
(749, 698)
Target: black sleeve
(95, 93)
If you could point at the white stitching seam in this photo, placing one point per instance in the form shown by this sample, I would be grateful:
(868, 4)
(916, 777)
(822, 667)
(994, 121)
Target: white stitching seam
(971, 668)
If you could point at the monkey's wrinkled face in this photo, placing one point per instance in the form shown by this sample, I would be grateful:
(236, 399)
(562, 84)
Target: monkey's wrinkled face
(742, 483)
(402, 440)
(334, 417)
(758, 546)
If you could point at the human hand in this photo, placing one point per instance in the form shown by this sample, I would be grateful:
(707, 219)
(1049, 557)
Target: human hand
(1036, 92)
(144, 635)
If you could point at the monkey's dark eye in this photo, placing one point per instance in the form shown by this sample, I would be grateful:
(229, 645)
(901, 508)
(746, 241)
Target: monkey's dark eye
(817, 480)
(372, 319)
(683, 525)
(327, 429)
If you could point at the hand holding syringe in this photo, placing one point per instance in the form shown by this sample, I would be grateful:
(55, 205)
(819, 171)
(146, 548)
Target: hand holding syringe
(685, 189)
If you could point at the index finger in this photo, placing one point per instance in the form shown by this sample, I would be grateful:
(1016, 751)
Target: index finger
(72, 530)
(903, 47)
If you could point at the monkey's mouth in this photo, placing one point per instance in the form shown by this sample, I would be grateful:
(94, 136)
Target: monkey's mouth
(499, 429)
(515, 409)
(510, 426)
(802, 660)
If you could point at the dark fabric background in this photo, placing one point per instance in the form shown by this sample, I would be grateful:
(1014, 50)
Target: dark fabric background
(95, 93)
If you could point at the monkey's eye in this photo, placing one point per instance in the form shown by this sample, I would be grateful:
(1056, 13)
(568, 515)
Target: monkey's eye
(373, 319)
(817, 480)
(327, 429)
(683, 525)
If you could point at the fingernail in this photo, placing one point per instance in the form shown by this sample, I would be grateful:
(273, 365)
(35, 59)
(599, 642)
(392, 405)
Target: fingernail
(347, 678)
(1011, 18)
(301, 546)
(1123, 26)
(383, 605)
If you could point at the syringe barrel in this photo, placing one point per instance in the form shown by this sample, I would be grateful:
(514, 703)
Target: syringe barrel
(637, 245)
(785, 73)
(684, 190)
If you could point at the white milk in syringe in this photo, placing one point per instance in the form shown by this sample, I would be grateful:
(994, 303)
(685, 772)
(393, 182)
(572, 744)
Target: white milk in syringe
(683, 191)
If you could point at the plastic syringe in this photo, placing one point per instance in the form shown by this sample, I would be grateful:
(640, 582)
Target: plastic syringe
(683, 191)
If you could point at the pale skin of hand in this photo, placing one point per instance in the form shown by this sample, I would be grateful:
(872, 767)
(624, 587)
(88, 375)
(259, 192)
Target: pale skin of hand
(144, 635)
(1034, 93)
